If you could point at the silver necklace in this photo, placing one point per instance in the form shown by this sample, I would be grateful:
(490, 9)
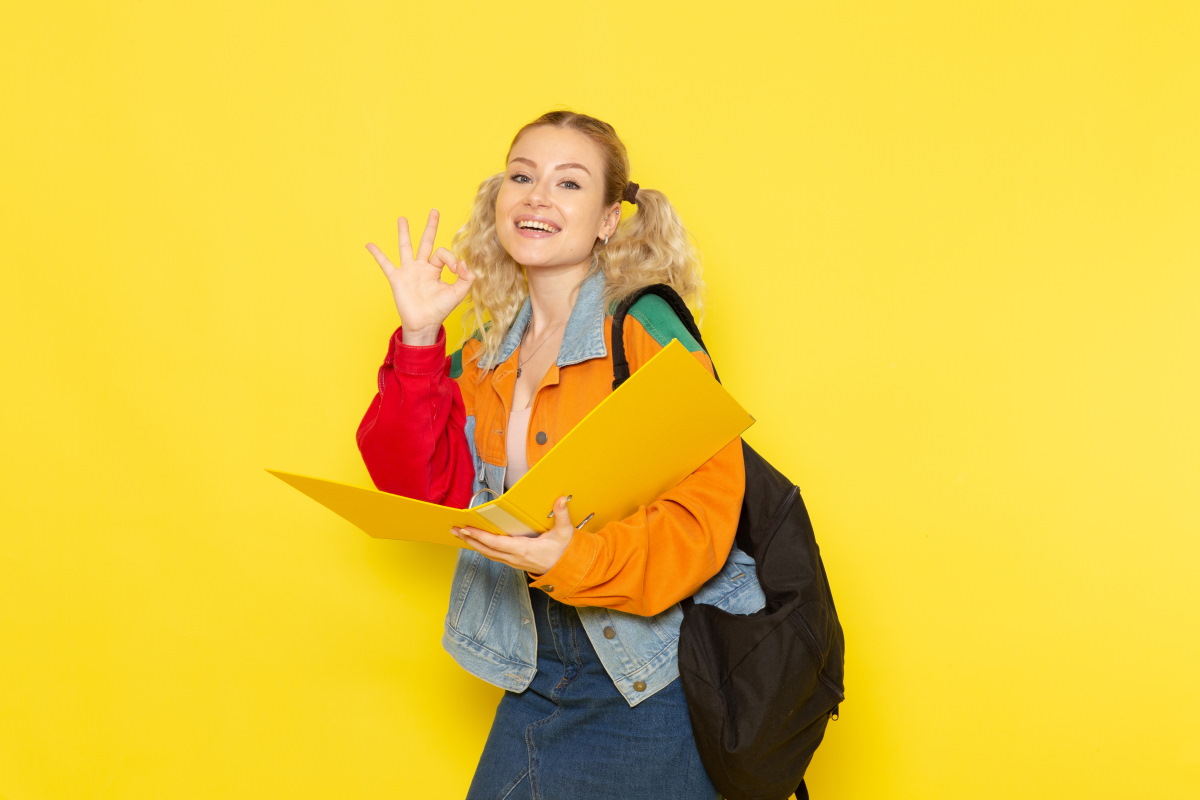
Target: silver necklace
(521, 362)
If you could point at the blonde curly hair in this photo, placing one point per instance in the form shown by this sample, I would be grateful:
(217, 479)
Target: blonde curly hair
(650, 247)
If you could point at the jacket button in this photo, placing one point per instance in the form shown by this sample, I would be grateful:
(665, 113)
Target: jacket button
(540, 438)
(639, 686)
(547, 589)
(609, 633)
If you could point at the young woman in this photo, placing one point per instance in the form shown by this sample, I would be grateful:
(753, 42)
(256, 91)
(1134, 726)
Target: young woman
(578, 626)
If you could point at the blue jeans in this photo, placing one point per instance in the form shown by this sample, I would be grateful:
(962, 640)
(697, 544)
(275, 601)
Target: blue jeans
(572, 736)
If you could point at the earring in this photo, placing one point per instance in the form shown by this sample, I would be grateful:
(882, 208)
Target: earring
(606, 240)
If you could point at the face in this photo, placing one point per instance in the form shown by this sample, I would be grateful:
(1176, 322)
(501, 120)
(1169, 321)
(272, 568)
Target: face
(550, 209)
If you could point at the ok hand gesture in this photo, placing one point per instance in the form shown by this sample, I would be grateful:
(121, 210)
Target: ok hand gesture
(423, 299)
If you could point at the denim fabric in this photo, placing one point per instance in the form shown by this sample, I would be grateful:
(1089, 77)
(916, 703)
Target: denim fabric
(572, 736)
(489, 625)
(583, 337)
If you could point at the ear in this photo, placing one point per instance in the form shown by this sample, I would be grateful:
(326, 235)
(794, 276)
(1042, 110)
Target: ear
(608, 225)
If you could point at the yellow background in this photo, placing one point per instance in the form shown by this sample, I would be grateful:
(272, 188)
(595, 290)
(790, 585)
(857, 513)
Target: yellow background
(953, 259)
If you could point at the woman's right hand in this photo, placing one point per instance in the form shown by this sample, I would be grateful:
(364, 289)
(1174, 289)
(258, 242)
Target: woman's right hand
(423, 299)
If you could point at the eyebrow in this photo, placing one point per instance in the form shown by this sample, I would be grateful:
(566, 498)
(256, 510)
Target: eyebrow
(568, 165)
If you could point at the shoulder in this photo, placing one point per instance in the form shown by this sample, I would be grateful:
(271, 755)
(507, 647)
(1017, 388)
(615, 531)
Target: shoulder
(661, 323)
(467, 355)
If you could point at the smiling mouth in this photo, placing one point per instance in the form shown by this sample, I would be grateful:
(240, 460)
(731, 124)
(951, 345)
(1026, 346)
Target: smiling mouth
(534, 225)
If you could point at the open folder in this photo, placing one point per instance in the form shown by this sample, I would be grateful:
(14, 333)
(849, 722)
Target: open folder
(656, 429)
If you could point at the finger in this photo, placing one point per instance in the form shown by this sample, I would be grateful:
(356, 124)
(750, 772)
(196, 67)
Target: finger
(562, 515)
(463, 285)
(473, 539)
(380, 258)
(406, 253)
(510, 545)
(444, 258)
(469, 541)
(464, 272)
(428, 236)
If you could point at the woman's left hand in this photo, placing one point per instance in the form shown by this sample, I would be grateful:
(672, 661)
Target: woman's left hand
(533, 554)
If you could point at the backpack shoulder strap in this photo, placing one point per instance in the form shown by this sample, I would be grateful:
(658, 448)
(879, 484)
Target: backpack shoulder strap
(663, 314)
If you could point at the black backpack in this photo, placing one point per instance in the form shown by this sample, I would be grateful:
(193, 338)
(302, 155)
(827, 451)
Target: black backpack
(760, 687)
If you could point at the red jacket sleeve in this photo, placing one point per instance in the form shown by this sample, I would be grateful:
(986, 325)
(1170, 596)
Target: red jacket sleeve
(412, 437)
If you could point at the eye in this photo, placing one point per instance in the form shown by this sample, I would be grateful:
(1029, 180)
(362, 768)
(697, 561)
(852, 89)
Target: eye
(520, 177)
(570, 185)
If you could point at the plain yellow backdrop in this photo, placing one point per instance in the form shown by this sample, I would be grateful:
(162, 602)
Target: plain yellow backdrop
(953, 261)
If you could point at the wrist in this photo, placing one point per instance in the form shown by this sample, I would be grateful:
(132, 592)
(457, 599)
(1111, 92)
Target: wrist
(416, 359)
(420, 337)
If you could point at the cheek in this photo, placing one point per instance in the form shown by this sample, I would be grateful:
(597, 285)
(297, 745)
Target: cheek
(502, 200)
(503, 209)
(586, 216)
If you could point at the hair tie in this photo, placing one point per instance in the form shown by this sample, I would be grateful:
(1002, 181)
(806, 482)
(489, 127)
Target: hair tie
(631, 191)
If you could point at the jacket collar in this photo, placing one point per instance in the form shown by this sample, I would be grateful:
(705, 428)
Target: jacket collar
(583, 338)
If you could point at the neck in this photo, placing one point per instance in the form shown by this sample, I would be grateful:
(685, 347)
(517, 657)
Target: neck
(552, 296)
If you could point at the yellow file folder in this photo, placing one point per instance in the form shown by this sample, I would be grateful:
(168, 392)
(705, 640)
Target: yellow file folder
(665, 421)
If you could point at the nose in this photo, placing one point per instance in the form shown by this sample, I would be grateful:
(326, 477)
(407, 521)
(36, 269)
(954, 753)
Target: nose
(535, 197)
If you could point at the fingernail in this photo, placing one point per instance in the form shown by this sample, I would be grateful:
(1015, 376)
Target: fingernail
(570, 497)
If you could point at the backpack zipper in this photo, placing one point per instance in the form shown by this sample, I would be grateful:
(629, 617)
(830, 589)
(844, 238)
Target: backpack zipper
(777, 519)
(810, 642)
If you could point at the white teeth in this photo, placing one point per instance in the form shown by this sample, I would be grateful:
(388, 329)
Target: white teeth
(537, 226)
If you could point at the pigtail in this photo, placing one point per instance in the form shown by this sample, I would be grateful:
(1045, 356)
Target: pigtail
(651, 247)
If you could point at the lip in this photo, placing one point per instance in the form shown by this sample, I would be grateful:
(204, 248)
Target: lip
(533, 233)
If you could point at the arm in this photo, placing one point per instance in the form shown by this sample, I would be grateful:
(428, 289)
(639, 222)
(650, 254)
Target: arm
(665, 551)
(412, 437)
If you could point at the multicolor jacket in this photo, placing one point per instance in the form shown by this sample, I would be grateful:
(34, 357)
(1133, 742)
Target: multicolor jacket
(437, 431)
